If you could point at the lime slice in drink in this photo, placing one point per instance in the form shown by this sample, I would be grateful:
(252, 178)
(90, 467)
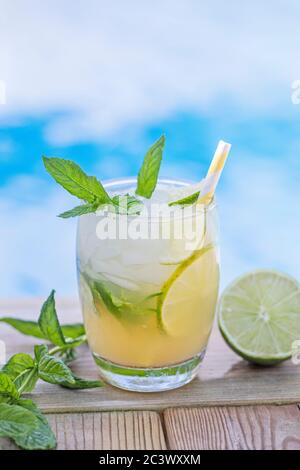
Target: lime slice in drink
(185, 294)
(259, 316)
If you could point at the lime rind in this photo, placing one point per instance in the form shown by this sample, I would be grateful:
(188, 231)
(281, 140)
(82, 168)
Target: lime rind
(279, 334)
(173, 278)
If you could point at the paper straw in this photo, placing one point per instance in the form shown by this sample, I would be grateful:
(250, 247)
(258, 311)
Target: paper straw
(214, 172)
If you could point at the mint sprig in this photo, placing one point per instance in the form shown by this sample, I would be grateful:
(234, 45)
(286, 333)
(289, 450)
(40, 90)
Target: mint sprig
(191, 199)
(87, 188)
(91, 191)
(20, 419)
(80, 210)
(71, 177)
(148, 174)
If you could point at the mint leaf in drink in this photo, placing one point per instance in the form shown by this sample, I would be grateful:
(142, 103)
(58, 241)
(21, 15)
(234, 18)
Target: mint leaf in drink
(48, 322)
(81, 383)
(29, 328)
(148, 174)
(101, 292)
(126, 204)
(53, 370)
(16, 421)
(80, 210)
(7, 387)
(105, 297)
(71, 177)
(191, 199)
(41, 436)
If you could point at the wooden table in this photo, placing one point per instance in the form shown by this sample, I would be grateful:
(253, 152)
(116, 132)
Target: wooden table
(230, 405)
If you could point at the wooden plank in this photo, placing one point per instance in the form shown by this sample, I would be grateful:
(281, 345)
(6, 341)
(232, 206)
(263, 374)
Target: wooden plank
(110, 431)
(244, 427)
(131, 430)
(224, 378)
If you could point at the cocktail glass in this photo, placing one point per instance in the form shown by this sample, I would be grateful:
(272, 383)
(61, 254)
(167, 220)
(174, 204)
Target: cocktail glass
(148, 300)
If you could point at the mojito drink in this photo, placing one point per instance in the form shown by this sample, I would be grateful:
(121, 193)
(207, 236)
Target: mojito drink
(148, 269)
(149, 297)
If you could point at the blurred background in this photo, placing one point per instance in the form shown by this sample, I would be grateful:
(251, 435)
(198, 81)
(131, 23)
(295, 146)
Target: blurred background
(99, 81)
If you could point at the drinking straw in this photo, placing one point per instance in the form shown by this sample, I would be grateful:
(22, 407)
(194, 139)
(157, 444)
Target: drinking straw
(214, 172)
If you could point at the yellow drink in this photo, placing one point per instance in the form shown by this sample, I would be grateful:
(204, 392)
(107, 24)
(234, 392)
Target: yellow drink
(149, 303)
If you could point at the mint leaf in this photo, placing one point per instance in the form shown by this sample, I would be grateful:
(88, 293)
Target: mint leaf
(148, 174)
(73, 330)
(191, 199)
(80, 210)
(126, 204)
(41, 436)
(68, 355)
(7, 387)
(48, 322)
(17, 364)
(121, 308)
(16, 421)
(100, 291)
(26, 381)
(71, 177)
(39, 351)
(29, 328)
(53, 370)
(82, 383)
(21, 368)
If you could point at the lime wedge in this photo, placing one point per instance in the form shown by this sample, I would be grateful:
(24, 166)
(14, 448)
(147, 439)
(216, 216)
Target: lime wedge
(259, 316)
(188, 292)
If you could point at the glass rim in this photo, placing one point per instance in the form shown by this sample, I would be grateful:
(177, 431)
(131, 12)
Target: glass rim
(109, 183)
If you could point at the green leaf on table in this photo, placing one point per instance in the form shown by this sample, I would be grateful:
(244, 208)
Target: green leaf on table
(73, 330)
(31, 328)
(26, 381)
(16, 421)
(27, 327)
(41, 436)
(71, 177)
(82, 383)
(7, 387)
(21, 368)
(148, 174)
(39, 351)
(54, 370)
(48, 322)
(17, 364)
(68, 355)
(191, 199)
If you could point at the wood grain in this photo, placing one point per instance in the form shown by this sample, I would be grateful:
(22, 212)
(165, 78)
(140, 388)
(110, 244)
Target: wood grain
(246, 427)
(129, 430)
(224, 378)
(140, 430)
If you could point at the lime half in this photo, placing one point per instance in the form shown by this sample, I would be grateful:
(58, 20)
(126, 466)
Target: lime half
(259, 316)
(192, 287)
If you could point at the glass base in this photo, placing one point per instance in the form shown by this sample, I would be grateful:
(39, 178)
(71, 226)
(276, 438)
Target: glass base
(155, 379)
